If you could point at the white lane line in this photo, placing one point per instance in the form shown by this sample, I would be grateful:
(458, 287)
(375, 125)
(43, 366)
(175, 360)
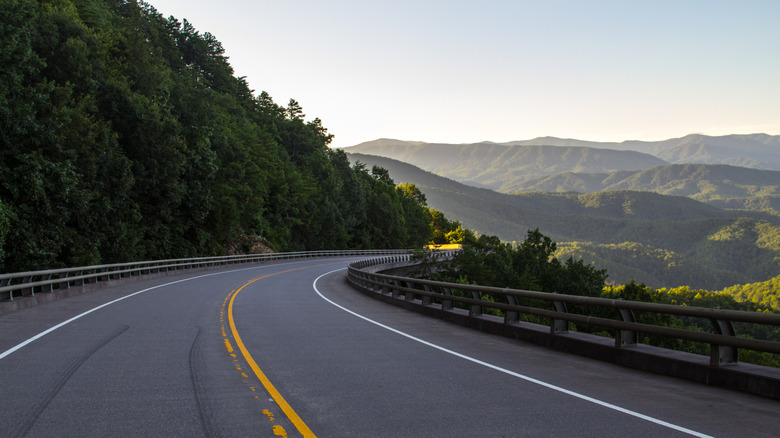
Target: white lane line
(64, 323)
(511, 373)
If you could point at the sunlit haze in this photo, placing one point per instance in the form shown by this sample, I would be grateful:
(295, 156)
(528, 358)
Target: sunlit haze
(467, 71)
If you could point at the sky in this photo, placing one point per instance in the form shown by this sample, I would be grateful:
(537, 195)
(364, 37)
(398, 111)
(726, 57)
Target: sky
(456, 71)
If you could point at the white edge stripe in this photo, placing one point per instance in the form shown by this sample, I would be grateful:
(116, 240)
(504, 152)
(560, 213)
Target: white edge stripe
(511, 373)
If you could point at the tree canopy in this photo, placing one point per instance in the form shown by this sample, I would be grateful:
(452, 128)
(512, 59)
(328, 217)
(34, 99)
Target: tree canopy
(125, 135)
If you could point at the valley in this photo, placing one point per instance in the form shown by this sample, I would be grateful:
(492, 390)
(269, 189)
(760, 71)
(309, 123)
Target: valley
(706, 226)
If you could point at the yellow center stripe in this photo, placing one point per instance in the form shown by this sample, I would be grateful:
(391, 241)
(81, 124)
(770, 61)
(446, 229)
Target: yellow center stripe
(294, 418)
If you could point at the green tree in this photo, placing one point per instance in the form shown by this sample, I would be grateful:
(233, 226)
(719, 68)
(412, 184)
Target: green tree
(416, 215)
(125, 135)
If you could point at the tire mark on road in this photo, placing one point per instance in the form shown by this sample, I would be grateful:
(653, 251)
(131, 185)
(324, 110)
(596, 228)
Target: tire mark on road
(209, 429)
(63, 379)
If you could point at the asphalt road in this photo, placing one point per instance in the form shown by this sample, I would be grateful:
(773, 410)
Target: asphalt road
(288, 349)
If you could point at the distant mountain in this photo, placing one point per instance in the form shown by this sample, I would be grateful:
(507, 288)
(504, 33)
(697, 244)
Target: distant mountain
(755, 151)
(495, 165)
(664, 241)
(512, 167)
(719, 185)
(760, 151)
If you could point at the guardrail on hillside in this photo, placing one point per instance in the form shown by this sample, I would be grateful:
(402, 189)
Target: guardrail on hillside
(21, 284)
(439, 298)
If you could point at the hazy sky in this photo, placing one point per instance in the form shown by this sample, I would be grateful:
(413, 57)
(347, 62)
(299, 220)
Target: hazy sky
(455, 71)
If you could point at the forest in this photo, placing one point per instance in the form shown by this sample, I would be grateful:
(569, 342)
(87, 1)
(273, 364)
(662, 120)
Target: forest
(532, 265)
(125, 135)
(659, 240)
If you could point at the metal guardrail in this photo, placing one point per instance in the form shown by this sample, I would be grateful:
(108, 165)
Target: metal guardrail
(724, 344)
(21, 284)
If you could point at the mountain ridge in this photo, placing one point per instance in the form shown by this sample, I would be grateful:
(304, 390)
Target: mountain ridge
(507, 166)
(676, 240)
(720, 185)
(652, 147)
(492, 164)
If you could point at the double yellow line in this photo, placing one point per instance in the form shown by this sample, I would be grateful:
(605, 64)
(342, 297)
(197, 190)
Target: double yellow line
(286, 408)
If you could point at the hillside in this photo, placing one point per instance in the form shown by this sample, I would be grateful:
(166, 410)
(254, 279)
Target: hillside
(125, 135)
(759, 151)
(766, 293)
(756, 151)
(514, 166)
(664, 241)
(494, 165)
(719, 185)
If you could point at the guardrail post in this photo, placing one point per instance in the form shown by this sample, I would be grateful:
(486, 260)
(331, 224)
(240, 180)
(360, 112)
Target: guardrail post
(425, 298)
(395, 290)
(511, 316)
(409, 295)
(10, 292)
(559, 325)
(369, 280)
(384, 288)
(625, 338)
(446, 304)
(723, 355)
(23, 291)
(476, 309)
(32, 288)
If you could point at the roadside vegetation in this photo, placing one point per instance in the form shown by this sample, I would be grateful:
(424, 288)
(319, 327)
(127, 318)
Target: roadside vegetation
(532, 265)
(660, 240)
(125, 135)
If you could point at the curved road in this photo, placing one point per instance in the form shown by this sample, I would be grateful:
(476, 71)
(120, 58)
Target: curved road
(288, 349)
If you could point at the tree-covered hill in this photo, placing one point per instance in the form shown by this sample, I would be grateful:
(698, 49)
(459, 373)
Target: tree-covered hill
(663, 241)
(555, 164)
(765, 294)
(494, 165)
(125, 135)
(719, 185)
(758, 151)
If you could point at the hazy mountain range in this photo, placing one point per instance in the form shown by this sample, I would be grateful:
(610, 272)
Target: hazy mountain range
(630, 212)
(508, 167)
(752, 150)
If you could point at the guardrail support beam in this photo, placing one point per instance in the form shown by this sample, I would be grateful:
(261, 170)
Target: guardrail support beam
(395, 290)
(446, 304)
(559, 325)
(476, 309)
(426, 299)
(511, 316)
(409, 295)
(625, 338)
(723, 355)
